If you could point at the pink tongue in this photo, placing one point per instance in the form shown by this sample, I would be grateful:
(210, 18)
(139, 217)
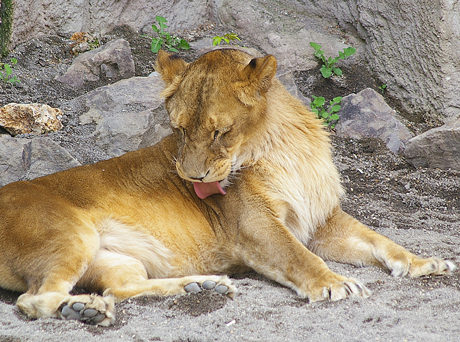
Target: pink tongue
(204, 190)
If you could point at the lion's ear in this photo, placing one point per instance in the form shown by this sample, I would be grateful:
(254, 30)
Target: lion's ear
(258, 75)
(169, 66)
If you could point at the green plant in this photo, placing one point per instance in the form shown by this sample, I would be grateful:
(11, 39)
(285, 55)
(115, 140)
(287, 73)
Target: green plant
(329, 116)
(94, 44)
(328, 67)
(383, 87)
(165, 39)
(226, 38)
(6, 72)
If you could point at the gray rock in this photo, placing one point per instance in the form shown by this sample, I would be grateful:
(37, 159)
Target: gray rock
(367, 115)
(22, 158)
(33, 19)
(286, 77)
(285, 29)
(416, 59)
(128, 114)
(113, 60)
(436, 148)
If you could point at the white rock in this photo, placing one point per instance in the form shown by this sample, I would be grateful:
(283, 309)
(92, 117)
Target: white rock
(35, 118)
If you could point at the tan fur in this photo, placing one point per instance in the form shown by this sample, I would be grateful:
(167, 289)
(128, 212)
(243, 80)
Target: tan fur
(133, 226)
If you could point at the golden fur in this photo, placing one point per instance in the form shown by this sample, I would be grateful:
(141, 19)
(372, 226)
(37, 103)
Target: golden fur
(132, 226)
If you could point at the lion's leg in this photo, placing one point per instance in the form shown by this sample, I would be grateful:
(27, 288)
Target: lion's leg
(121, 277)
(46, 245)
(345, 239)
(268, 247)
(53, 268)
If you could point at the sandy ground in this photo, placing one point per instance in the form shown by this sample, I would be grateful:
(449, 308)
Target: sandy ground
(417, 208)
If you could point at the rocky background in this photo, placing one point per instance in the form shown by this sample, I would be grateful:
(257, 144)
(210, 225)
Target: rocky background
(397, 148)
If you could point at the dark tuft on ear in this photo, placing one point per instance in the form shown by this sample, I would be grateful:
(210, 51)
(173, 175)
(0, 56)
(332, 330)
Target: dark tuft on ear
(257, 78)
(173, 57)
(169, 66)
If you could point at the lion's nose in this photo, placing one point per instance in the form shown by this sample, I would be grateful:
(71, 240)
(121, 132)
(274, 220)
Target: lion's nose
(199, 178)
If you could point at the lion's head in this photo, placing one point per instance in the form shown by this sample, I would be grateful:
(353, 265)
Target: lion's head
(216, 107)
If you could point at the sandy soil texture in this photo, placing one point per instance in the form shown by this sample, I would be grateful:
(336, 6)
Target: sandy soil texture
(418, 208)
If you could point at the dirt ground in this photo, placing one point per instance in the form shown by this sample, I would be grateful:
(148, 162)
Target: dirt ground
(418, 208)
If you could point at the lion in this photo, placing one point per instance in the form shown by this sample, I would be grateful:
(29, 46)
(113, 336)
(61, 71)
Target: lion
(245, 182)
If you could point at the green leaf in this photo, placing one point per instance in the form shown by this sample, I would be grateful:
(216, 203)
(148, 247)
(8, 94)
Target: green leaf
(315, 46)
(335, 109)
(184, 45)
(168, 39)
(349, 51)
(232, 36)
(337, 71)
(334, 60)
(8, 69)
(13, 61)
(173, 49)
(326, 72)
(216, 40)
(156, 45)
(319, 54)
(155, 28)
(318, 101)
(337, 99)
(324, 114)
(160, 19)
(335, 117)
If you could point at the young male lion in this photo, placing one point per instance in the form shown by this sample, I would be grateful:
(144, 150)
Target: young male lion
(254, 187)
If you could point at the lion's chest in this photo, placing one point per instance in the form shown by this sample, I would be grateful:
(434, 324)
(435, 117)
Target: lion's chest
(304, 193)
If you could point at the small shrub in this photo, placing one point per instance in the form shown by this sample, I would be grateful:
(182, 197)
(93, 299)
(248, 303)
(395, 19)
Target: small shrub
(6, 72)
(382, 88)
(328, 67)
(227, 38)
(329, 116)
(165, 39)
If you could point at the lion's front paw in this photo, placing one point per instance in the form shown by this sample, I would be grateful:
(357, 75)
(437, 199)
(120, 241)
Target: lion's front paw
(335, 287)
(416, 267)
(432, 266)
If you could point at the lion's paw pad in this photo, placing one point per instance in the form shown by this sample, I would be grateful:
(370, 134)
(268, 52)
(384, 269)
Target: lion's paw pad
(207, 285)
(192, 287)
(78, 312)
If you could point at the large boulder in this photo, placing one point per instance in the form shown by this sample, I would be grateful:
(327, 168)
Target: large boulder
(34, 19)
(413, 47)
(285, 29)
(366, 115)
(128, 114)
(436, 148)
(22, 159)
(113, 60)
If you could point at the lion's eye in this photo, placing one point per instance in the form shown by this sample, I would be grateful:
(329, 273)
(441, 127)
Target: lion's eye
(216, 134)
